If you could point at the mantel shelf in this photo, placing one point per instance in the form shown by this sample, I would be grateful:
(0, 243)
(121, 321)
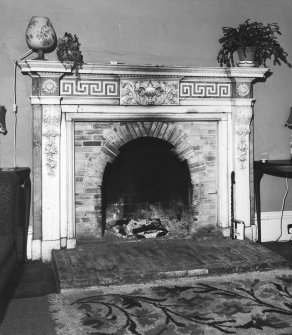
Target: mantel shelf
(42, 67)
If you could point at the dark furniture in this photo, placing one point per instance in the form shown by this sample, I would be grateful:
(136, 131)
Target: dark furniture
(24, 183)
(8, 222)
(279, 168)
(22, 211)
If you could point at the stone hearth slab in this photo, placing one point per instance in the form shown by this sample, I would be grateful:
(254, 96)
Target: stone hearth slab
(120, 263)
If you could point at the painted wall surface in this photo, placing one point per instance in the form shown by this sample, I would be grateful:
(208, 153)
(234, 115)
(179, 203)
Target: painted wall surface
(164, 32)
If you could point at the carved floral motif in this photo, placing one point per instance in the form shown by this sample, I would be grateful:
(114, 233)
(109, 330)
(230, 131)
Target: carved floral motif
(149, 92)
(243, 90)
(51, 129)
(49, 86)
(244, 115)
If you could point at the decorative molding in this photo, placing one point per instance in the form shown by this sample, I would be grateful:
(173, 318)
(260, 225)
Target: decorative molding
(191, 89)
(242, 129)
(46, 100)
(149, 92)
(49, 86)
(102, 88)
(243, 90)
(51, 129)
(43, 67)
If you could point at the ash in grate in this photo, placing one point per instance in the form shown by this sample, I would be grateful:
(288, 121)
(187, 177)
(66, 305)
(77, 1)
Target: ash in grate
(139, 228)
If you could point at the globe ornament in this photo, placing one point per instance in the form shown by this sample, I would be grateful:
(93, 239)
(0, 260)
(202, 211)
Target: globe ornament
(40, 36)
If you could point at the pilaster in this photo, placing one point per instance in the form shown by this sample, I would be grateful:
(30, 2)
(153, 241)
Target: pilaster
(242, 118)
(51, 130)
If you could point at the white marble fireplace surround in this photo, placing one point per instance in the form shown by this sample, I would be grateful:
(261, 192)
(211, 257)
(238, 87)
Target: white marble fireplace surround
(133, 93)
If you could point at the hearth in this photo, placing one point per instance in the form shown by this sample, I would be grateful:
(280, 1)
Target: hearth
(134, 152)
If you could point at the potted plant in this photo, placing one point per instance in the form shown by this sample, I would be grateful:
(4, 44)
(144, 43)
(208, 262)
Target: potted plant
(254, 40)
(68, 51)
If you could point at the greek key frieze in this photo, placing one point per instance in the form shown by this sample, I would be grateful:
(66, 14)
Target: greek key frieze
(103, 88)
(193, 89)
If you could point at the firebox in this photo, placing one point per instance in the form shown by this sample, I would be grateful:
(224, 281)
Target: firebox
(132, 152)
(146, 191)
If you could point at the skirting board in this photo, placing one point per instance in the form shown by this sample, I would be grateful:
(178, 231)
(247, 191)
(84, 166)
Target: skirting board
(271, 226)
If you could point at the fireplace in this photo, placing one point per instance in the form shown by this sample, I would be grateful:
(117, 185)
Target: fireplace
(129, 152)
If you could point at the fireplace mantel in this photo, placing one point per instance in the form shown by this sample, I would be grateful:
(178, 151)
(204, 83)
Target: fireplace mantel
(132, 93)
(110, 82)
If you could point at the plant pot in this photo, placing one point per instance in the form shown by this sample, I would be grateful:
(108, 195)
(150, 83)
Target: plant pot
(247, 57)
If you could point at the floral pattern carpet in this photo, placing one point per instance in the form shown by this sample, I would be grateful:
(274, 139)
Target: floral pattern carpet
(250, 303)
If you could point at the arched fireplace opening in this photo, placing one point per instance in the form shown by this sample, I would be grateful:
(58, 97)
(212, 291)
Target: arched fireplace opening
(146, 191)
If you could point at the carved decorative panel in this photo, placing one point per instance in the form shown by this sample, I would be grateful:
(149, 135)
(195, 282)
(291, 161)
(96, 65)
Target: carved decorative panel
(50, 87)
(244, 115)
(194, 89)
(103, 88)
(243, 90)
(51, 129)
(149, 92)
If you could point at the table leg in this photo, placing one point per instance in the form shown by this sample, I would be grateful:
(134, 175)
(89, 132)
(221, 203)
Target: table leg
(257, 181)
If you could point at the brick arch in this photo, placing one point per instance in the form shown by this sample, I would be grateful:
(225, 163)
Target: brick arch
(107, 148)
(167, 131)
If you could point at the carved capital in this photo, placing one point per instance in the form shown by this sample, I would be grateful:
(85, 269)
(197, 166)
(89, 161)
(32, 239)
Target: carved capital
(242, 129)
(149, 92)
(51, 129)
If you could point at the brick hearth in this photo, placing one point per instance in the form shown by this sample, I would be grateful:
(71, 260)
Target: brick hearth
(106, 264)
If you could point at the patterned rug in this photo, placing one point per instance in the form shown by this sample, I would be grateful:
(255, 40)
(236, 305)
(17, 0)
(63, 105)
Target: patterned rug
(251, 303)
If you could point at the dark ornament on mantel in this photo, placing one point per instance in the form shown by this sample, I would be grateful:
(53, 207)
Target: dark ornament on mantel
(3, 129)
(68, 51)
